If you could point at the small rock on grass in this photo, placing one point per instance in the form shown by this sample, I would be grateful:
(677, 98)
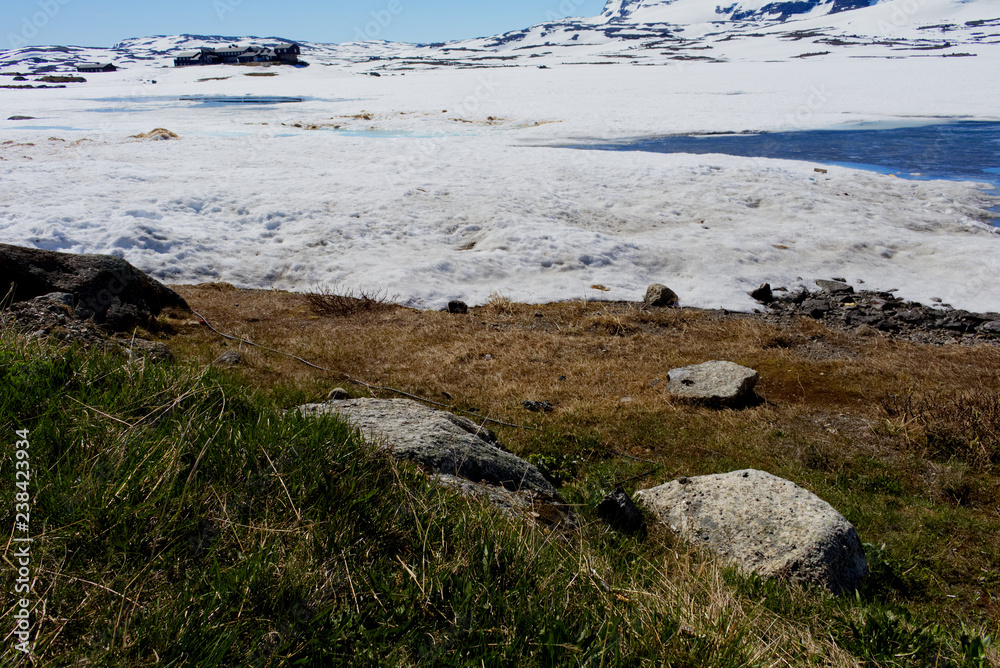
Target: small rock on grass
(537, 406)
(658, 294)
(154, 350)
(716, 383)
(229, 358)
(338, 394)
(455, 449)
(618, 510)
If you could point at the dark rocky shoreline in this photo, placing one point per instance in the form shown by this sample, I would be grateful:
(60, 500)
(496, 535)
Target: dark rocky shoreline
(839, 306)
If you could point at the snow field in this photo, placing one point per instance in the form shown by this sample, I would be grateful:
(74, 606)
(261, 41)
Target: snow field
(475, 215)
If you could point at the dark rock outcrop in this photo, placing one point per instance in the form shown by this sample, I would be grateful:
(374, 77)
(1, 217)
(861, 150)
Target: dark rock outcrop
(838, 305)
(52, 316)
(106, 288)
(763, 294)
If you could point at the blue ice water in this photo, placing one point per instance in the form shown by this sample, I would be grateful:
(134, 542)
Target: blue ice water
(967, 150)
(219, 100)
(49, 128)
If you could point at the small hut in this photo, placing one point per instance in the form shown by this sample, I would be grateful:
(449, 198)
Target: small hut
(96, 67)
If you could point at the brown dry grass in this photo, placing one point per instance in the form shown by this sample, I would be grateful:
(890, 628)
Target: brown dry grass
(337, 302)
(583, 356)
(604, 367)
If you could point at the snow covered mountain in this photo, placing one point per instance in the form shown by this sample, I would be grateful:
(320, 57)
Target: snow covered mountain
(699, 11)
(641, 32)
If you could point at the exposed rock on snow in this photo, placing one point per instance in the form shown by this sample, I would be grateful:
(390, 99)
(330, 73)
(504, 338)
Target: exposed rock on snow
(714, 383)
(835, 287)
(763, 294)
(158, 134)
(765, 524)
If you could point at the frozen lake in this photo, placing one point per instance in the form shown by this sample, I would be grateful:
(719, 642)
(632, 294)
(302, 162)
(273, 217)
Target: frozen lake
(965, 151)
(444, 185)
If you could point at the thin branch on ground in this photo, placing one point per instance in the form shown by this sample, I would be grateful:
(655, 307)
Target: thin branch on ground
(351, 379)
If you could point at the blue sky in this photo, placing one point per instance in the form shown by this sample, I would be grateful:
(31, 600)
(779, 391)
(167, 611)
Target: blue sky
(104, 22)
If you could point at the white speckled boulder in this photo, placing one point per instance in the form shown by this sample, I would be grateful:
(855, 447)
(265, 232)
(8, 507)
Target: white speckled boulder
(765, 524)
(719, 383)
(439, 441)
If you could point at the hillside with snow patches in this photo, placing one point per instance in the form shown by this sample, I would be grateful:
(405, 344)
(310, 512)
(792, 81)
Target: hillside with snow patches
(444, 178)
(643, 32)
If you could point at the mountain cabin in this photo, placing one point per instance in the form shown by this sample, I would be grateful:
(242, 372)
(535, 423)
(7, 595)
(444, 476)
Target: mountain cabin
(234, 54)
(96, 67)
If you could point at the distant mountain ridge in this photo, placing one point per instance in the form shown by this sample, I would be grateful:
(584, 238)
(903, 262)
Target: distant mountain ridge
(641, 32)
(740, 10)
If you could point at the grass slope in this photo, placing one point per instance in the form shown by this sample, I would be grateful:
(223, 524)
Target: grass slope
(184, 519)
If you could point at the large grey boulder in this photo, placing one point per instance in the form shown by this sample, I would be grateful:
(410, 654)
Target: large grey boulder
(765, 524)
(104, 287)
(456, 450)
(716, 383)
